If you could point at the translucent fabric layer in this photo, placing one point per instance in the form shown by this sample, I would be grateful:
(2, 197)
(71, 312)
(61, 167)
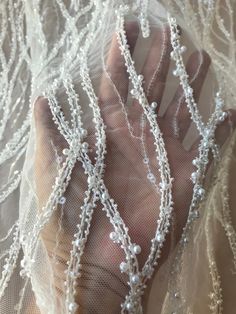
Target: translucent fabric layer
(117, 157)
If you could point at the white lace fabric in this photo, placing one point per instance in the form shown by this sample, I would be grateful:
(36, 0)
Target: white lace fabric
(116, 195)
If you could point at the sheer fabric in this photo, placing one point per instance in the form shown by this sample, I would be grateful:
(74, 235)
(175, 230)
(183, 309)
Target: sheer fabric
(117, 156)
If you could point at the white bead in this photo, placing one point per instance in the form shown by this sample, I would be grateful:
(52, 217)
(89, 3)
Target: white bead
(176, 295)
(7, 266)
(140, 77)
(114, 236)
(195, 162)
(129, 306)
(22, 273)
(84, 132)
(65, 151)
(194, 177)
(189, 91)
(175, 73)
(223, 116)
(183, 49)
(137, 249)
(123, 267)
(22, 263)
(85, 145)
(185, 240)
(163, 185)
(104, 196)
(201, 192)
(91, 180)
(77, 242)
(73, 306)
(160, 237)
(154, 105)
(135, 279)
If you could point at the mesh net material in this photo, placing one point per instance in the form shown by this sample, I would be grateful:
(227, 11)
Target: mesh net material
(98, 116)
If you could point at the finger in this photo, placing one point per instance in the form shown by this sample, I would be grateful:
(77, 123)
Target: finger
(224, 129)
(197, 68)
(49, 144)
(222, 132)
(42, 114)
(115, 76)
(47, 134)
(157, 64)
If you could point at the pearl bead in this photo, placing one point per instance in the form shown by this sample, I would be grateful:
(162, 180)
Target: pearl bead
(194, 177)
(129, 306)
(189, 91)
(195, 162)
(123, 267)
(183, 49)
(65, 151)
(140, 77)
(85, 145)
(91, 180)
(22, 263)
(185, 240)
(201, 192)
(176, 295)
(84, 132)
(22, 273)
(160, 237)
(154, 105)
(72, 306)
(175, 72)
(7, 266)
(113, 236)
(77, 242)
(104, 196)
(135, 279)
(137, 249)
(223, 116)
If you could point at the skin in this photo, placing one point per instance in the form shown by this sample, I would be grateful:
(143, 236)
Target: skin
(125, 173)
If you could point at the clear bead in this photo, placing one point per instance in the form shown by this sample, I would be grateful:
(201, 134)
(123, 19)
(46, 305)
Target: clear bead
(62, 200)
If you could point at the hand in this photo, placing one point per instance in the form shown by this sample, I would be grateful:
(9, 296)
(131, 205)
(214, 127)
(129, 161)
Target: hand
(102, 285)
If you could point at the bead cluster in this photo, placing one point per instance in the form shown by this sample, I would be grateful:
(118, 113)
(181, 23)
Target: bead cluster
(138, 280)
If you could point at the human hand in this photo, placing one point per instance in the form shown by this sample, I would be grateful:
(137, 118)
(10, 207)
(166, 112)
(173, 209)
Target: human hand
(125, 176)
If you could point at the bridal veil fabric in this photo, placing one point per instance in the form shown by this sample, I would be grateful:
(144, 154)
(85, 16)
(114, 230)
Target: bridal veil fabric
(117, 156)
